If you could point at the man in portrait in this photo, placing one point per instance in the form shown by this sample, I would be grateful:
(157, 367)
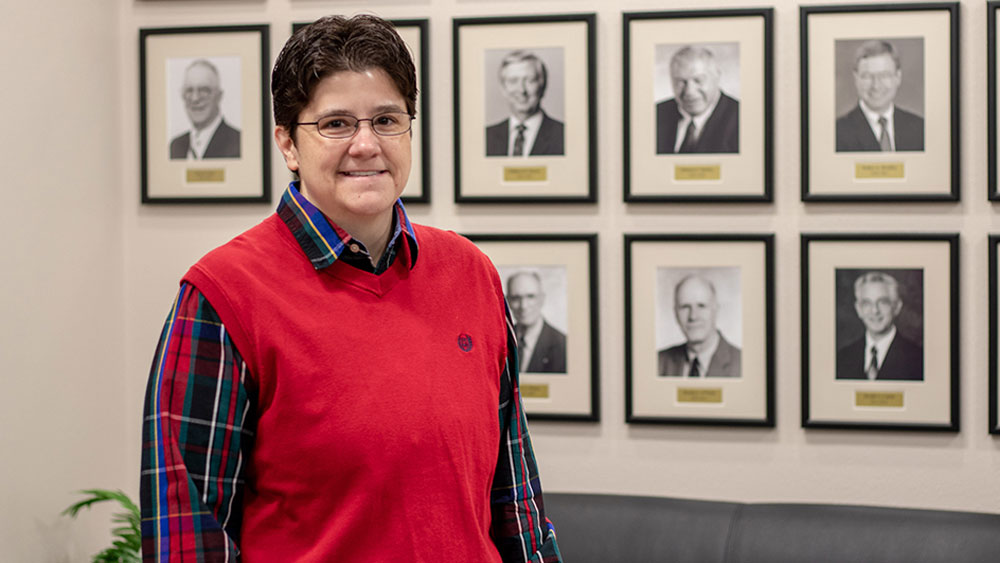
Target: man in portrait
(705, 352)
(882, 353)
(528, 131)
(541, 347)
(876, 123)
(210, 136)
(700, 118)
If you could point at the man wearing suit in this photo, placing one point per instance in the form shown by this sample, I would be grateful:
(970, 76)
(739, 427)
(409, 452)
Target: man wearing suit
(541, 347)
(882, 353)
(210, 136)
(706, 353)
(700, 118)
(876, 123)
(529, 131)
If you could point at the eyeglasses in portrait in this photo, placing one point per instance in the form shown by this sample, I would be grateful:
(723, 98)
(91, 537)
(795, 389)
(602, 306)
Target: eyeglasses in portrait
(880, 331)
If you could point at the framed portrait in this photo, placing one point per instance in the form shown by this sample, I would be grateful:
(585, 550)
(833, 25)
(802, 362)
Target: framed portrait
(880, 102)
(550, 282)
(204, 114)
(699, 329)
(698, 105)
(992, 117)
(525, 109)
(994, 348)
(415, 34)
(880, 331)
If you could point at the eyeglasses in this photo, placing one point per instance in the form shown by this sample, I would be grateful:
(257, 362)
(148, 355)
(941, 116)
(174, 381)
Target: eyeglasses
(386, 124)
(877, 76)
(881, 303)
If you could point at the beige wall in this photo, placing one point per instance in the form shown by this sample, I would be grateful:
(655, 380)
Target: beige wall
(89, 273)
(63, 421)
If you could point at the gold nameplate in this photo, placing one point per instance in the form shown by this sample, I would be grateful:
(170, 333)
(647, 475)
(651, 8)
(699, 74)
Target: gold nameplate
(535, 390)
(878, 171)
(873, 399)
(201, 175)
(525, 173)
(706, 172)
(699, 395)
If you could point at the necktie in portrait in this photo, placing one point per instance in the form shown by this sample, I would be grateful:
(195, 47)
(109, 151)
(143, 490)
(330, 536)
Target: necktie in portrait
(690, 138)
(519, 141)
(872, 371)
(883, 138)
(695, 370)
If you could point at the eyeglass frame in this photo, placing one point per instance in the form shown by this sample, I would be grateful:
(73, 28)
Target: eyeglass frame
(357, 124)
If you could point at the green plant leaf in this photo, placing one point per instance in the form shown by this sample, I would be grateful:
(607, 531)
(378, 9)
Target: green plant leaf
(126, 548)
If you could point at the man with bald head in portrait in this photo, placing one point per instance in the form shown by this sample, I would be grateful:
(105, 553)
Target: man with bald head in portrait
(877, 123)
(705, 352)
(541, 347)
(700, 118)
(210, 136)
(882, 353)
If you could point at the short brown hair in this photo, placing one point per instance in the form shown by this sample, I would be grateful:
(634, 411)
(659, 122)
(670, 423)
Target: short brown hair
(333, 44)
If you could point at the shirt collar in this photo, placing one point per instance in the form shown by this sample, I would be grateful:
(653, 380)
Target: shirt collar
(201, 137)
(705, 356)
(881, 346)
(534, 121)
(321, 240)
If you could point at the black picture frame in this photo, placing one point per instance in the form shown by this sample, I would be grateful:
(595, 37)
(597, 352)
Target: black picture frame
(566, 266)
(841, 159)
(734, 159)
(415, 32)
(561, 166)
(992, 191)
(735, 272)
(238, 173)
(921, 389)
(994, 334)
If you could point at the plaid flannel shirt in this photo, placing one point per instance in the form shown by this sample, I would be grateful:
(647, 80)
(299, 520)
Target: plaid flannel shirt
(199, 419)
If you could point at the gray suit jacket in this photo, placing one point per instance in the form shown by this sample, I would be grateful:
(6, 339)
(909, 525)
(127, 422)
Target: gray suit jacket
(549, 354)
(225, 143)
(725, 362)
(720, 134)
(855, 134)
(548, 142)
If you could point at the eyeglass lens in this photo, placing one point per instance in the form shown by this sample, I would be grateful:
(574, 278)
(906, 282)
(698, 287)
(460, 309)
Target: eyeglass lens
(343, 126)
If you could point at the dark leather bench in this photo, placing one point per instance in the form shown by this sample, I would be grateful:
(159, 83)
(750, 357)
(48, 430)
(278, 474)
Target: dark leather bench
(636, 529)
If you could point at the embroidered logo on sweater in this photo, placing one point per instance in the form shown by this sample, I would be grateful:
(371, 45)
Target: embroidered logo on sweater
(465, 342)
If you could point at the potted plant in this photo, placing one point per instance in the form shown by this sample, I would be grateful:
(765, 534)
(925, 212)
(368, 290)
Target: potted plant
(127, 545)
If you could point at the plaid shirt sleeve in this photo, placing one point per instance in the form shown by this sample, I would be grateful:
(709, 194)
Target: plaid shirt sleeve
(520, 530)
(197, 430)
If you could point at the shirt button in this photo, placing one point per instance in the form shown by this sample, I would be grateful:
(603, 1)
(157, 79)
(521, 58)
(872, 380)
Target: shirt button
(355, 248)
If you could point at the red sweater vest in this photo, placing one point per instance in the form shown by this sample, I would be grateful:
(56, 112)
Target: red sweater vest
(377, 432)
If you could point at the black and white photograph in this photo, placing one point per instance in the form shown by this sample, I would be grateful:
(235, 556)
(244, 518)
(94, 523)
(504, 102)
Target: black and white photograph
(550, 283)
(537, 299)
(697, 90)
(880, 94)
(525, 98)
(699, 329)
(698, 106)
(879, 102)
(203, 110)
(994, 347)
(880, 331)
(525, 109)
(205, 134)
(699, 322)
